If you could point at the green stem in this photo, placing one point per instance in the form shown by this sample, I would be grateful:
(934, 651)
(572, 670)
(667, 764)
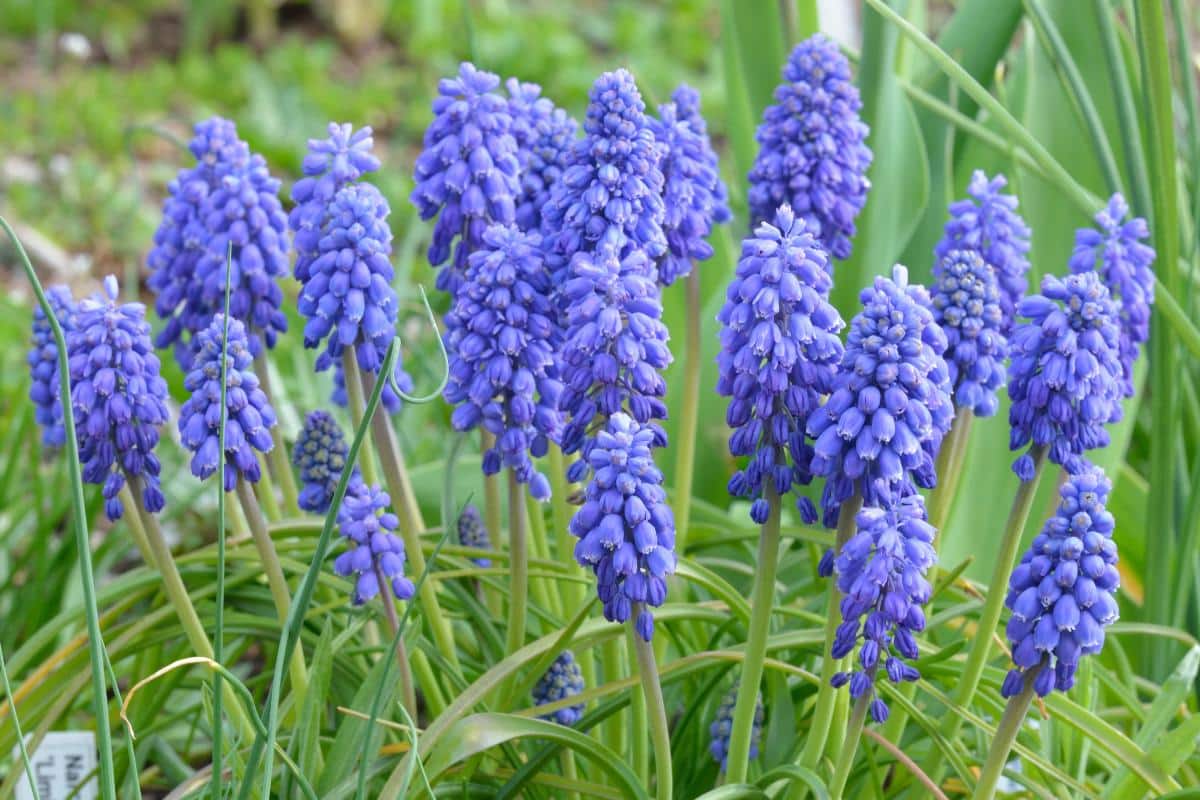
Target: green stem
(518, 566)
(638, 743)
(763, 600)
(818, 731)
(281, 469)
(841, 770)
(276, 580)
(1127, 116)
(689, 416)
(546, 590)
(396, 477)
(407, 690)
(981, 643)
(1006, 736)
(177, 594)
(96, 655)
(656, 711)
(266, 490)
(357, 403)
(574, 593)
(949, 471)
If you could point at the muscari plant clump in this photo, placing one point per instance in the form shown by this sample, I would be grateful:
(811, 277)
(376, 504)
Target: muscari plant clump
(554, 249)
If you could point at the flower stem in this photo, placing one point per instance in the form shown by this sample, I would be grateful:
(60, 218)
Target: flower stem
(281, 469)
(949, 470)
(546, 590)
(518, 566)
(408, 692)
(357, 403)
(841, 770)
(396, 477)
(981, 643)
(818, 731)
(276, 580)
(160, 555)
(656, 711)
(612, 661)
(574, 593)
(756, 642)
(1006, 736)
(266, 490)
(639, 759)
(689, 416)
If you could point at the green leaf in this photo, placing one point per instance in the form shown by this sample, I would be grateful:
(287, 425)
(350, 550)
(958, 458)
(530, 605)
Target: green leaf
(480, 732)
(899, 172)
(1165, 707)
(348, 742)
(307, 736)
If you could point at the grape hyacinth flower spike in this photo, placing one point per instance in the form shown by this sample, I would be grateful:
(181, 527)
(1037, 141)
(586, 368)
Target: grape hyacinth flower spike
(500, 334)
(779, 354)
(544, 135)
(249, 416)
(694, 196)
(564, 679)
(881, 573)
(722, 727)
(331, 165)
(472, 532)
(348, 298)
(1063, 593)
(375, 554)
(117, 396)
(43, 365)
(812, 154)
(966, 304)
(882, 424)
(320, 457)
(467, 175)
(1117, 252)
(223, 215)
(609, 201)
(988, 223)
(1065, 375)
(625, 529)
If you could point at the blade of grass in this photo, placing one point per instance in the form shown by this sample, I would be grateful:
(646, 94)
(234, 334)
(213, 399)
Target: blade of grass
(80, 526)
(1154, 54)
(1127, 118)
(12, 705)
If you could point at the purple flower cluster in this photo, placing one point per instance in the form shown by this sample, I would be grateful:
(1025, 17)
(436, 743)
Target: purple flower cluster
(333, 164)
(562, 680)
(891, 404)
(1063, 593)
(881, 575)
(224, 213)
(248, 415)
(614, 350)
(1065, 376)
(472, 532)
(348, 298)
(779, 355)
(626, 531)
(376, 554)
(609, 200)
(117, 397)
(721, 729)
(320, 456)
(989, 224)
(544, 136)
(467, 175)
(43, 365)
(330, 165)
(811, 153)
(966, 304)
(501, 336)
(694, 197)
(1116, 250)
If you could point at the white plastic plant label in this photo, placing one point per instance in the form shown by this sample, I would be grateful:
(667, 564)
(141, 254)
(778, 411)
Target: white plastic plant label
(61, 763)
